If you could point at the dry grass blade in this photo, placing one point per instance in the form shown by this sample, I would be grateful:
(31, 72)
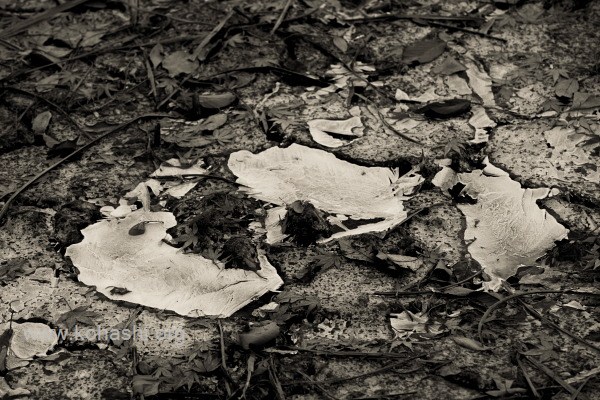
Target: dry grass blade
(198, 51)
(21, 26)
(284, 12)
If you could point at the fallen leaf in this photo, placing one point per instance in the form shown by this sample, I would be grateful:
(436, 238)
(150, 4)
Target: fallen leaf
(566, 88)
(402, 261)
(15, 268)
(481, 83)
(211, 123)
(448, 67)
(159, 275)
(423, 51)
(78, 315)
(216, 100)
(40, 122)
(259, 335)
(191, 133)
(145, 385)
(321, 128)
(157, 55)
(340, 43)
(138, 229)
(407, 324)
(23, 342)
(446, 109)
(179, 62)
(468, 343)
(570, 154)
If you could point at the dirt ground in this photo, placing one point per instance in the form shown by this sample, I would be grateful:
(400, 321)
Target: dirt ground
(483, 284)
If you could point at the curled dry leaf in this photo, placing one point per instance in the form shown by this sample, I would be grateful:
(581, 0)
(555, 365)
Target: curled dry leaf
(158, 275)
(216, 100)
(506, 227)
(446, 109)
(423, 51)
(321, 128)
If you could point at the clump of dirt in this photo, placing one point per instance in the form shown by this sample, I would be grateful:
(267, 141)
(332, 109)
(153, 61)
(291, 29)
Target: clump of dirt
(71, 219)
(304, 223)
(240, 252)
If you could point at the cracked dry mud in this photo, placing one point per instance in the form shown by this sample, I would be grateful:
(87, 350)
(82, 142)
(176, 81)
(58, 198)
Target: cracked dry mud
(531, 80)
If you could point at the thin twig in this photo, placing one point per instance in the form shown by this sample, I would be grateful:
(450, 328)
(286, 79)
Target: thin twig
(545, 320)
(73, 154)
(317, 385)
(467, 30)
(578, 392)
(275, 380)
(36, 19)
(384, 396)
(288, 3)
(427, 17)
(534, 392)
(53, 105)
(551, 374)
(386, 124)
(204, 176)
(497, 304)
(362, 354)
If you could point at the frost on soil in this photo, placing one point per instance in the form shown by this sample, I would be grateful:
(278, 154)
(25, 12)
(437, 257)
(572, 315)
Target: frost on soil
(158, 275)
(506, 227)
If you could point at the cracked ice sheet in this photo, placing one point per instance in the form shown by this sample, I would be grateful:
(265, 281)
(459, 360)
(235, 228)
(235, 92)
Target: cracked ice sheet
(282, 176)
(160, 276)
(506, 226)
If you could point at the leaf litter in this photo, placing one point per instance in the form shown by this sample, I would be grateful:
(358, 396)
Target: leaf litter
(569, 150)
